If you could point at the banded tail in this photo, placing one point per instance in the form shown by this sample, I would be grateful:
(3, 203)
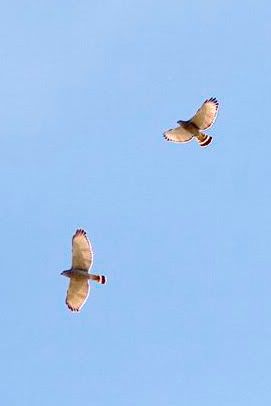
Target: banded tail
(204, 139)
(98, 278)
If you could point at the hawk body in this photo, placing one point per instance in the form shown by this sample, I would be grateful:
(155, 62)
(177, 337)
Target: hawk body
(82, 261)
(202, 120)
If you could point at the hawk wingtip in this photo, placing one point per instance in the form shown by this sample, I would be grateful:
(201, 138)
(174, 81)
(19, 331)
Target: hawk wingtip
(213, 100)
(72, 309)
(80, 231)
(165, 136)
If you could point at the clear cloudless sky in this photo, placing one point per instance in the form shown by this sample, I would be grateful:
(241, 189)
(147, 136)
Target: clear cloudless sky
(182, 233)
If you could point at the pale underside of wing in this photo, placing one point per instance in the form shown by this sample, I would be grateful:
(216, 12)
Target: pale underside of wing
(77, 293)
(82, 254)
(178, 134)
(206, 114)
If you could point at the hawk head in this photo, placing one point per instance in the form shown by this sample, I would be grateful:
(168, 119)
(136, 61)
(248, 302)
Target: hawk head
(66, 273)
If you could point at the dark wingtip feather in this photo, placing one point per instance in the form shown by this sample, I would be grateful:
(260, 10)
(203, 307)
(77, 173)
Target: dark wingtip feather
(213, 100)
(80, 231)
(166, 138)
(72, 309)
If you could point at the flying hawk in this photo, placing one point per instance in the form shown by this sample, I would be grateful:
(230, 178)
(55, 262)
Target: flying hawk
(82, 260)
(203, 119)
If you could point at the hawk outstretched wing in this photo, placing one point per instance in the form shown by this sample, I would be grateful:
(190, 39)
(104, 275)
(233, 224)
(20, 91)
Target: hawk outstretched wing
(206, 114)
(77, 293)
(82, 254)
(178, 134)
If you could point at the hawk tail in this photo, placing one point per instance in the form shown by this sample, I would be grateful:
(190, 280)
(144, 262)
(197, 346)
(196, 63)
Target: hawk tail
(204, 139)
(102, 279)
(98, 278)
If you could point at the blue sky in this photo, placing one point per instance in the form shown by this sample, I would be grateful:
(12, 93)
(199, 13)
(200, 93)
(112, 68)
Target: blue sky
(182, 233)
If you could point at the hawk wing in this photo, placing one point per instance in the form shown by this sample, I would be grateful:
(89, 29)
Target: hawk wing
(77, 293)
(178, 134)
(82, 254)
(206, 114)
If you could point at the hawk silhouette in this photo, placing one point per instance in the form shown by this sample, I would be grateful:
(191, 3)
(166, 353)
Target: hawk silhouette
(82, 260)
(203, 119)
